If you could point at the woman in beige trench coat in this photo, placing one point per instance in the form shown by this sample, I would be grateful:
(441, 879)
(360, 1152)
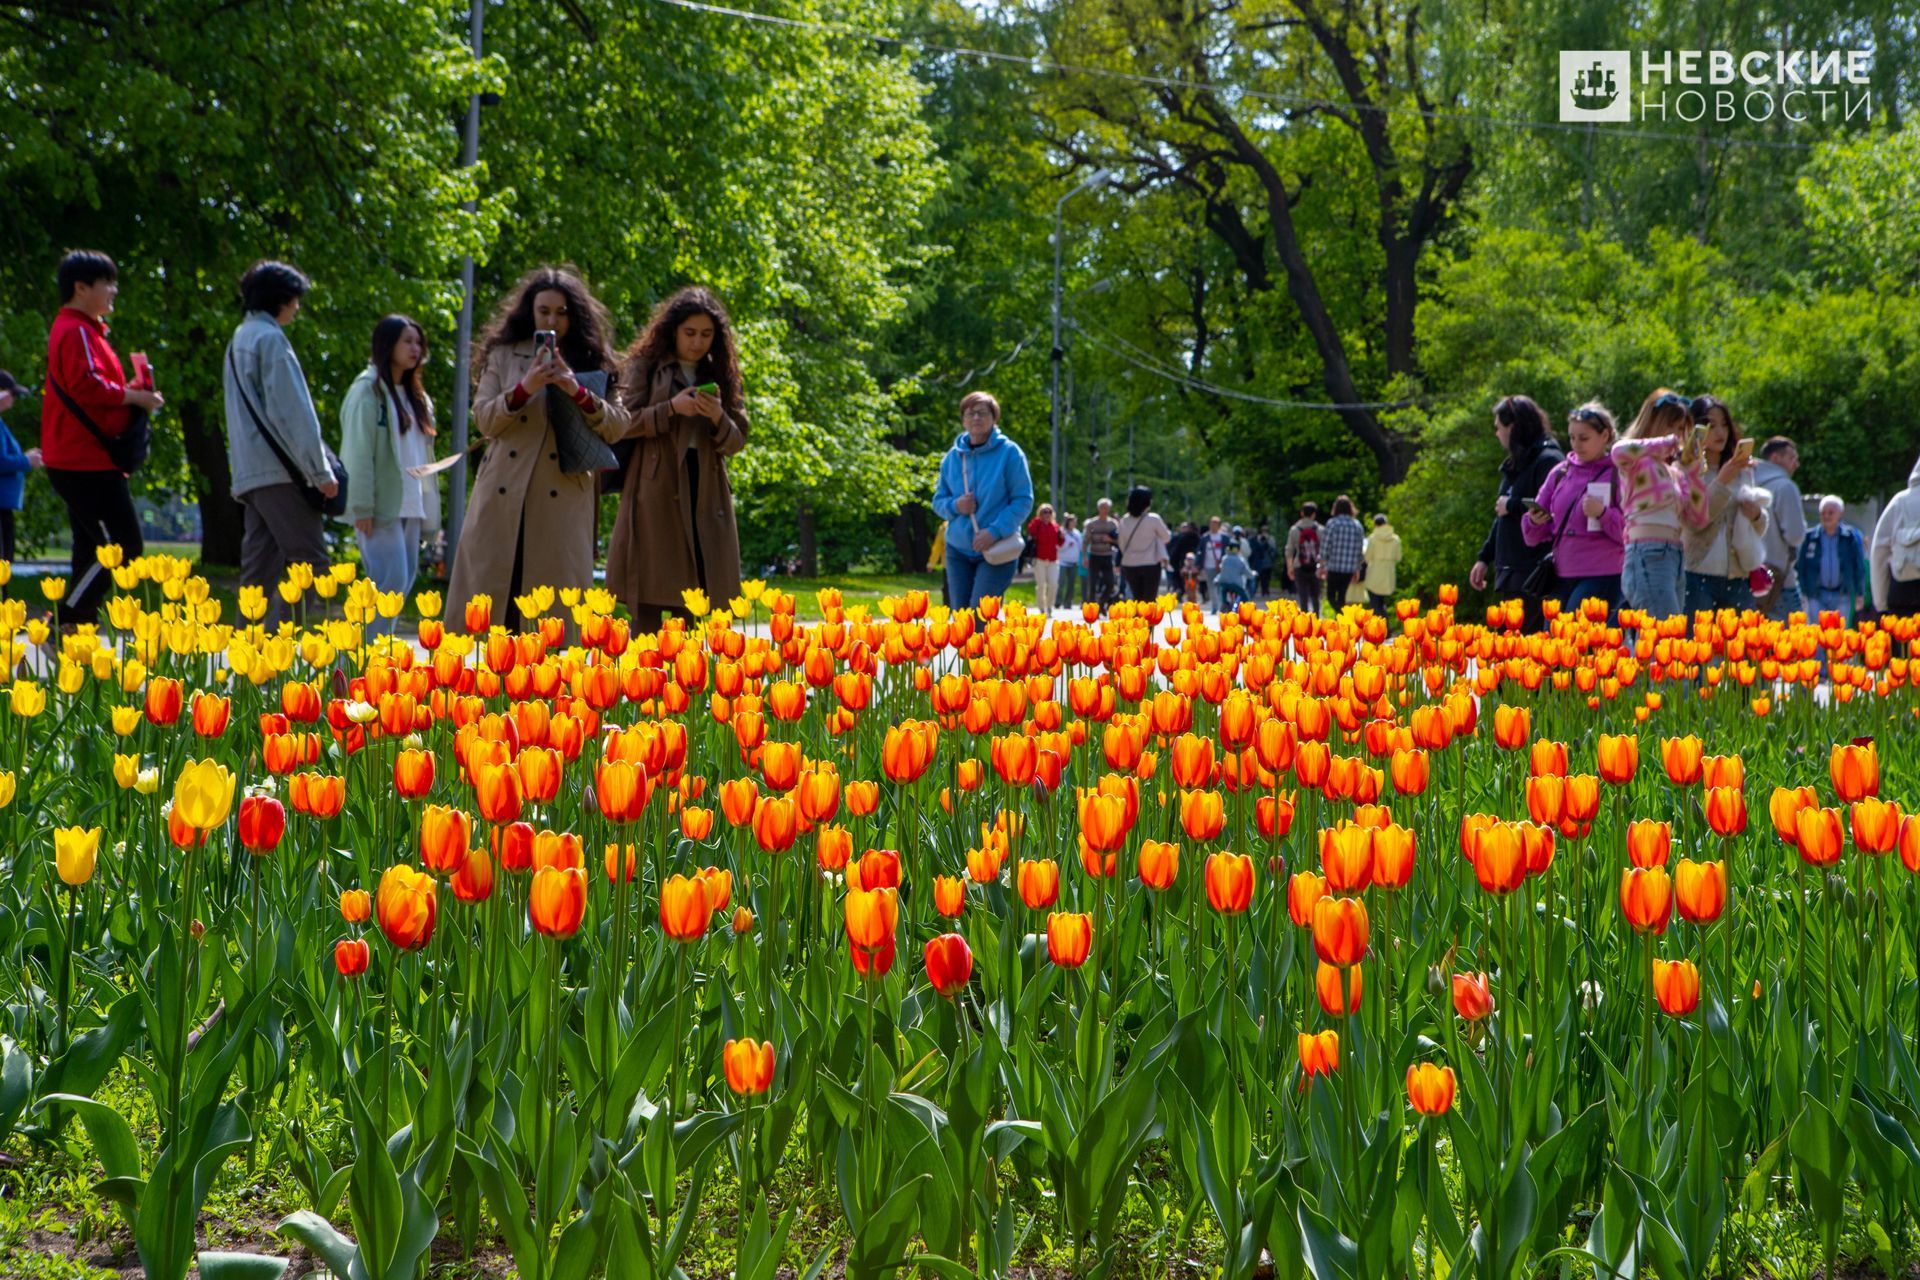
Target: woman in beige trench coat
(529, 524)
(675, 528)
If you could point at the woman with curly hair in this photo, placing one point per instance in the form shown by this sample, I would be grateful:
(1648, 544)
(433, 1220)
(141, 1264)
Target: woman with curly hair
(530, 522)
(675, 529)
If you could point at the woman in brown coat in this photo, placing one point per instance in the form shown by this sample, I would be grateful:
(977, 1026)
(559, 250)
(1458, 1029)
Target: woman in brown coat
(529, 523)
(675, 528)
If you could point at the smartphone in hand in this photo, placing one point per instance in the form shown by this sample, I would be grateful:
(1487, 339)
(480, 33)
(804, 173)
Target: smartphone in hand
(1743, 452)
(546, 340)
(142, 372)
(708, 388)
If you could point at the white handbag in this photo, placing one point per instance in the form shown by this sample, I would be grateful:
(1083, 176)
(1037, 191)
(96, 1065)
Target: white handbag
(1006, 550)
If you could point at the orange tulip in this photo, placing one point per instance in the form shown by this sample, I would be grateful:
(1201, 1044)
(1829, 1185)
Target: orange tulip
(949, 895)
(696, 824)
(1649, 842)
(413, 774)
(1159, 863)
(1273, 815)
(1069, 938)
(1337, 998)
(1820, 835)
(1726, 811)
(775, 824)
(351, 957)
(1910, 843)
(1547, 758)
(1646, 898)
(949, 964)
(1512, 726)
(557, 901)
(872, 917)
(473, 880)
(780, 765)
(1582, 798)
(1340, 930)
(355, 905)
(1472, 996)
(1700, 890)
(1676, 985)
(1722, 771)
(1346, 857)
(539, 769)
(497, 792)
(1500, 858)
(818, 793)
(1547, 798)
(862, 797)
(738, 797)
(718, 882)
(1410, 771)
(1393, 852)
(1038, 882)
(1202, 814)
(1103, 821)
(1784, 807)
(876, 869)
(1855, 770)
(907, 750)
(1536, 845)
(163, 700)
(622, 788)
(748, 1066)
(1304, 892)
(832, 848)
(210, 714)
(1876, 825)
(1619, 758)
(445, 835)
(1430, 1088)
(1681, 759)
(1319, 1054)
(1229, 879)
(547, 849)
(1192, 759)
(684, 910)
(404, 905)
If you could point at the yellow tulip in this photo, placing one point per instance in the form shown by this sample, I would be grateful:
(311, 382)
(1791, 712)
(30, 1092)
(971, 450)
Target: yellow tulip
(126, 577)
(300, 574)
(428, 603)
(6, 789)
(696, 602)
(326, 586)
(6, 572)
(38, 631)
(197, 590)
(133, 675)
(149, 780)
(101, 660)
(54, 589)
(75, 850)
(126, 720)
(390, 603)
(203, 794)
(344, 571)
(290, 591)
(27, 699)
(126, 770)
(70, 677)
(111, 555)
(753, 588)
(253, 603)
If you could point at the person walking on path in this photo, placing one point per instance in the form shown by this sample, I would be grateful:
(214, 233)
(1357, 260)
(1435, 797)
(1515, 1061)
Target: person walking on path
(1045, 532)
(984, 494)
(275, 450)
(386, 433)
(1382, 554)
(87, 403)
(1832, 564)
(1101, 550)
(1506, 561)
(1070, 545)
(1345, 548)
(1143, 545)
(1260, 558)
(15, 463)
(1578, 513)
(1786, 528)
(1304, 557)
(1895, 557)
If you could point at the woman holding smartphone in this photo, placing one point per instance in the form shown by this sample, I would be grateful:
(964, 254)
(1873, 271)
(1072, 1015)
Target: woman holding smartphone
(1506, 559)
(386, 431)
(529, 523)
(1722, 554)
(1663, 492)
(1578, 513)
(675, 530)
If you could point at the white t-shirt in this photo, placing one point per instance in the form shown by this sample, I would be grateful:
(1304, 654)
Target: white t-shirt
(411, 448)
(1070, 546)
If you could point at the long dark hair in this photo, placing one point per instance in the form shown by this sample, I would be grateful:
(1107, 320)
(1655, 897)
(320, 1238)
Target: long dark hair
(1701, 411)
(1526, 425)
(1139, 499)
(386, 336)
(588, 344)
(654, 348)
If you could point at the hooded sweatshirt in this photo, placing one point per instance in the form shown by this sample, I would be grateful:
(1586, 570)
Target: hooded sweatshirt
(1788, 527)
(1580, 551)
(995, 472)
(1383, 560)
(1896, 541)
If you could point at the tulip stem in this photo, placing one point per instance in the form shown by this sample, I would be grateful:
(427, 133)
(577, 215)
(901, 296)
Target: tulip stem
(65, 986)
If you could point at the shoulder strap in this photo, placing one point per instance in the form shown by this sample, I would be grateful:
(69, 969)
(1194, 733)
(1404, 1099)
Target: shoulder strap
(79, 414)
(294, 474)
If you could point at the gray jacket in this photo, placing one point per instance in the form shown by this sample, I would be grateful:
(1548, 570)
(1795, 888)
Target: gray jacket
(271, 377)
(1789, 523)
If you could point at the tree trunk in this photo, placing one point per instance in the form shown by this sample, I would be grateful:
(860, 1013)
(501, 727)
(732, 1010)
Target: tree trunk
(221, 520)
(911, 539)
(809, 542)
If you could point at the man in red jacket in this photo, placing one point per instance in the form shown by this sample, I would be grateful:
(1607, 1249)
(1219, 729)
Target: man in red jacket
(85, 404)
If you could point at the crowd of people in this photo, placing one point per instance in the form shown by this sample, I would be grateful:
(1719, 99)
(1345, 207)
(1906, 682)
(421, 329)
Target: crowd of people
(561, 418)
(1680, 512)
(1676, 512)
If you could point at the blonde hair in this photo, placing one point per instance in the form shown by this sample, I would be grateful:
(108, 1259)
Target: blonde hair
(1664, 412)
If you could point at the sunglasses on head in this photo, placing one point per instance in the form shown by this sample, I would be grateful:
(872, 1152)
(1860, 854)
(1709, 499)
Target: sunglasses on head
(1671, 400)
(1587, 415)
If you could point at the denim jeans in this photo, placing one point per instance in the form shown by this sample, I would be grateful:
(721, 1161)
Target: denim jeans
(970, 577)
(1605, 586)
(1785, 601)
(1710, 591)
(1650, 577)
(1069, 577)
(1838, 601)
(391, 556)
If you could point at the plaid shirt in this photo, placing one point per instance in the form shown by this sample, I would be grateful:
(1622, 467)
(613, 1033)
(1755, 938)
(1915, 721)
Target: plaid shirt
(1343, 544)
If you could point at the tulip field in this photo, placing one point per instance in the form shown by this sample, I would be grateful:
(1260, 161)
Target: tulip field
(960, 944)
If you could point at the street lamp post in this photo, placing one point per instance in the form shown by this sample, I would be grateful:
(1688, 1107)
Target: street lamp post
(463, 345)
(1055, 457)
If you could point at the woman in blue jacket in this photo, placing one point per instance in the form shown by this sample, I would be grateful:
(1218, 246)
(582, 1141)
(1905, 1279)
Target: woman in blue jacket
(1833, 564)
(984, 494)
(15, 462)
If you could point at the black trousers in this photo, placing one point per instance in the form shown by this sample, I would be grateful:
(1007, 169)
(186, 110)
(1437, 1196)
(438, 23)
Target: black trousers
(1143, 581)
(100, 511)
(6, 536)
(1337, 584)
(1100, 584)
